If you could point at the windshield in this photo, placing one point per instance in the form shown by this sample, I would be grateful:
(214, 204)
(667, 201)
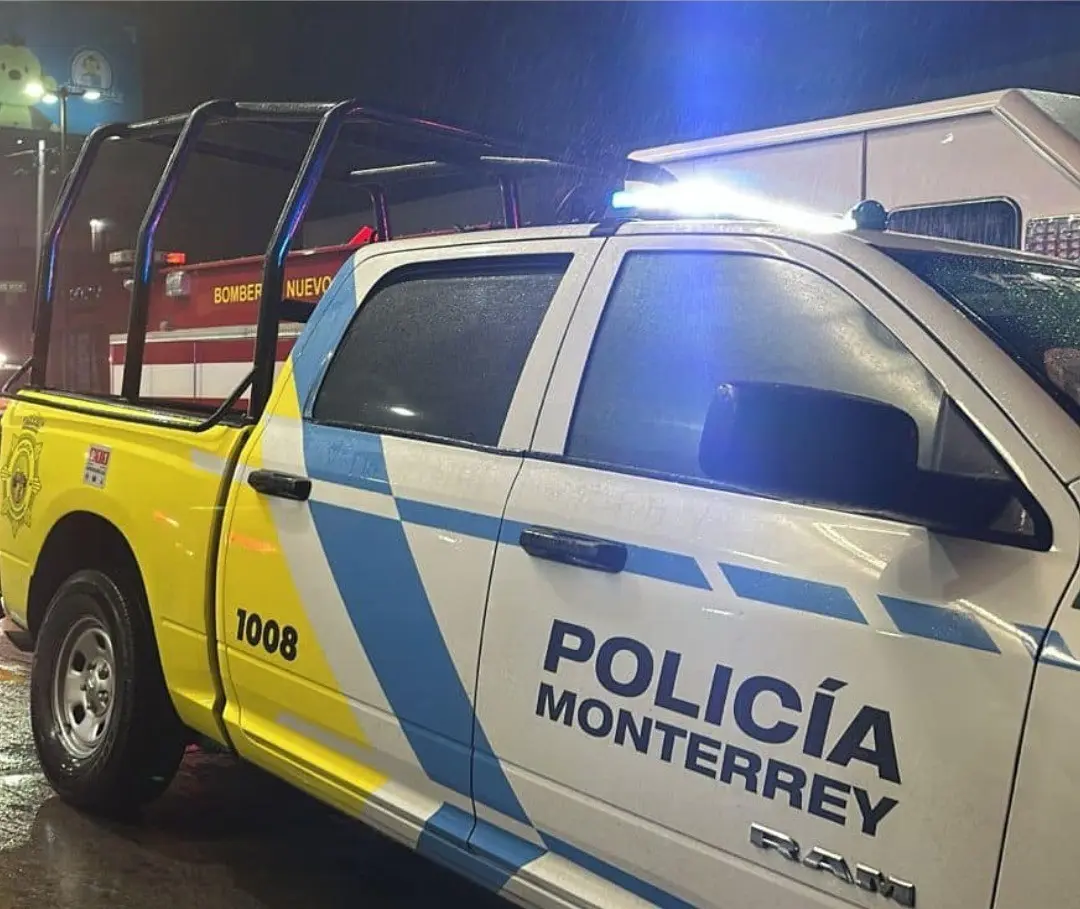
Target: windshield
(1031, 310)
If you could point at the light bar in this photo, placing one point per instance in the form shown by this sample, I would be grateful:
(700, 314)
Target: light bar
(708, 199)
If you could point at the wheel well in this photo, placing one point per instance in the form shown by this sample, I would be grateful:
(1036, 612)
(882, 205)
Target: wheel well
(78, 540)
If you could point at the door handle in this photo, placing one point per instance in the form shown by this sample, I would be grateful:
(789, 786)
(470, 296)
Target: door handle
(282, 485)
(573, 549)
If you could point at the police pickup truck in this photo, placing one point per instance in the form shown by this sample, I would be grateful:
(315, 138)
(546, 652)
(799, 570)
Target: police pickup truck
(664, 560)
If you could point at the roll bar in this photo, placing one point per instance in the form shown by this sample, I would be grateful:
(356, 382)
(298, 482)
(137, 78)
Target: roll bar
(442, 149)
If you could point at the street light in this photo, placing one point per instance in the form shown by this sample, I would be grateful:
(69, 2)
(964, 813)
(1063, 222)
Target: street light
(61, 94)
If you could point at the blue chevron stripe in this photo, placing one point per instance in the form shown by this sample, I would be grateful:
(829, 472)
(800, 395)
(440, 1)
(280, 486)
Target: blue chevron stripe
(381, 588)
(792, 593)
(1048, 647)
(491, 856)
(480, 851)
(938, 623)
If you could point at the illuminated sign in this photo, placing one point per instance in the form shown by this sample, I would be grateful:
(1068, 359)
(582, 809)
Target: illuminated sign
(89, 51)
(310, 288)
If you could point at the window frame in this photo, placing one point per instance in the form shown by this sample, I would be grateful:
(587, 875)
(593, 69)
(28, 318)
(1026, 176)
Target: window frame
(371, 273)
(560, 406)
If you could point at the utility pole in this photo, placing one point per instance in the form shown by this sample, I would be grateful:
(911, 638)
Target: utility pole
(62, 94)
(40, 201)
(41, 169)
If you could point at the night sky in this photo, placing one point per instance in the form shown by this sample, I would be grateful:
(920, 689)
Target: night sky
(559, 77)
(605, 74)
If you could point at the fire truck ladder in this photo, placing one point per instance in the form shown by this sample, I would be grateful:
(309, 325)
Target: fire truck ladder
(434, 149)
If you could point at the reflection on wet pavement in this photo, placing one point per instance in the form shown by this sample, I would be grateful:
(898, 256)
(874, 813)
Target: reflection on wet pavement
(225, 835)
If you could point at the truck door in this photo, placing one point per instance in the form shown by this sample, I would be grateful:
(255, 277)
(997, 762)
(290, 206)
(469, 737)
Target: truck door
(1039, 868)
(363, 525)
(720, 698)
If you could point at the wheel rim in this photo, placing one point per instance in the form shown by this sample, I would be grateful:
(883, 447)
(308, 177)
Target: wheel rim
(84, 687)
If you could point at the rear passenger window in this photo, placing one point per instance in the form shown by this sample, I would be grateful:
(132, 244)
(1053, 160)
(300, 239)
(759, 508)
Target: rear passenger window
(437, 350)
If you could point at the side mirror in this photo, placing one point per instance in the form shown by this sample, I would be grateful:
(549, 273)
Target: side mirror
(811, 445)
(1063, 369)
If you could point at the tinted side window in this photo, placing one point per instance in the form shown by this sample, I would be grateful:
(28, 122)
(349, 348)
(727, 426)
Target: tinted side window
(679, 324)
(437, 350)
(994, 222)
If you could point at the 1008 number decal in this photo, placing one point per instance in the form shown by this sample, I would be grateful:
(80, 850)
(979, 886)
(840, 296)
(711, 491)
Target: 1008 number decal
(274, 638)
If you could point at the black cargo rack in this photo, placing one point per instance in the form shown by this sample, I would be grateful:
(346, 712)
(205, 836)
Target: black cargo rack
(429, 148)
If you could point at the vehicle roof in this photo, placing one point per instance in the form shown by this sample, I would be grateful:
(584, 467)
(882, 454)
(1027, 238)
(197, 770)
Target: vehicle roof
(473, 237)
(840, 126)
(691, 226)
(891, 240)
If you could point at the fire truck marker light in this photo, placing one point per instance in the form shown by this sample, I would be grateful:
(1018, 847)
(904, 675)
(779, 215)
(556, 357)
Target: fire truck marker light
(123, 257)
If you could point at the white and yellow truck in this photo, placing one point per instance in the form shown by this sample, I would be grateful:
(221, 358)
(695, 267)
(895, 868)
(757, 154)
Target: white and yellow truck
(693, 562)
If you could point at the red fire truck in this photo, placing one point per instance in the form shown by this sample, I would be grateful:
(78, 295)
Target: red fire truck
(202, 319)
(202, 316)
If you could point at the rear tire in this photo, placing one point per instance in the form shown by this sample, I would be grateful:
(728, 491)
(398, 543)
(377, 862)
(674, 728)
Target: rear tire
(106, 732)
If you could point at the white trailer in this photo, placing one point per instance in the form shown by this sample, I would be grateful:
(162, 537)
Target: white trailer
(1000, 168)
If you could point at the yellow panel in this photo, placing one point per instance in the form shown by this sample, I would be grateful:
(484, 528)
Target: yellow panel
(161, 490)
(255, 576)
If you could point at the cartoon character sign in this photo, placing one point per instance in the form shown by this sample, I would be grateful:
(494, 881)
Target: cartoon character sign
(20, 67)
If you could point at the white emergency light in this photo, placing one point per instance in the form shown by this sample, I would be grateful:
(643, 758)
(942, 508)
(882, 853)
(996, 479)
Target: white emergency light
(177, 284)
(709, 199)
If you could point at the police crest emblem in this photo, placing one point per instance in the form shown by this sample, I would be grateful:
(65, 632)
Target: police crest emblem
(20, 481)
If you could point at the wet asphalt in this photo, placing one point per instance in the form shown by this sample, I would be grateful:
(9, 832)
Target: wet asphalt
(224, 835)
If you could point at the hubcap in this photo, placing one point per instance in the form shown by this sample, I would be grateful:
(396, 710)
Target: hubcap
(84, 686)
